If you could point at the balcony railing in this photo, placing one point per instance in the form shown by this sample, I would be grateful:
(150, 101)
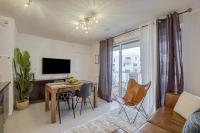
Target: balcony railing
(116, 89)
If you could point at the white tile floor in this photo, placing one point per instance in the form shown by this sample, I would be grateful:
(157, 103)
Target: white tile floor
(35, 120)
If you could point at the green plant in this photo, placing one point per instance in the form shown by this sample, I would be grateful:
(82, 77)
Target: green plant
(22, 67)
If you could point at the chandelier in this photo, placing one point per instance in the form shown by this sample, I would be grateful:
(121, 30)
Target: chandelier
(85, 23)
(27, 4)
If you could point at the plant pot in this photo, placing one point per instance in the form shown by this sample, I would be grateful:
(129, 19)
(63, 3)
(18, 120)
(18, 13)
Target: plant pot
(22, 105)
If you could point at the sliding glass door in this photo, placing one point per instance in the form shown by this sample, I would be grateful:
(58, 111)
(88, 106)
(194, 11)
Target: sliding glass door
(126, 65)
(116, 71)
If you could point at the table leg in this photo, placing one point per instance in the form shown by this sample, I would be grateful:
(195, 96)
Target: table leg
(53, 107)
(95, 97)
(46, 99)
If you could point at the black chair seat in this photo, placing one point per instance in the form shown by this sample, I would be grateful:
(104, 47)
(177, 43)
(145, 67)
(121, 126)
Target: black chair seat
(65, 96)
(77, 93)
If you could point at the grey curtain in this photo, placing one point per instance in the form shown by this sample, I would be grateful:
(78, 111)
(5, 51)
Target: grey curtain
(105, 75)
(170, 66)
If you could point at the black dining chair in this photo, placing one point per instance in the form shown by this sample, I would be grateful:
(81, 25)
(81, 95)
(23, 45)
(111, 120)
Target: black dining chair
(65, 96)
(84, 94)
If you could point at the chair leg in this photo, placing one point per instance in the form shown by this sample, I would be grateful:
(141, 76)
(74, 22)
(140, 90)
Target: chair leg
(85, 103)
(77, 100)
(120, 111)
(58, 102)
(73, 107)
(68, 104)
(82, 102)
(138, 111)
(124, 108)
(145, 113)
(135, 117)
(90, 103)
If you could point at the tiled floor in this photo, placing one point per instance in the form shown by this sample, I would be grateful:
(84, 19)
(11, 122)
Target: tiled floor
(35, 120)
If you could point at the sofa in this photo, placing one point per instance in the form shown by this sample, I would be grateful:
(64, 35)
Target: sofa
(165, 120)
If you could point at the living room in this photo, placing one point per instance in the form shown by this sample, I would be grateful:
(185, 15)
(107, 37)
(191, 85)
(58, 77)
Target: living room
(136, 61)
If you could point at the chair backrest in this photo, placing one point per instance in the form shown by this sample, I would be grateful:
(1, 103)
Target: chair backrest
(63, 94)
(131, 91)
(136, 92)
(86, 90)
(142, 92)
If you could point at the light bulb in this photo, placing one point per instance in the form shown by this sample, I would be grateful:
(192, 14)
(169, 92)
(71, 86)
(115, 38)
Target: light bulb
(96, 21)
(86, 32)
(76, 23)
(85, 28)
(94, 18)
(26, 4)
(77, 27)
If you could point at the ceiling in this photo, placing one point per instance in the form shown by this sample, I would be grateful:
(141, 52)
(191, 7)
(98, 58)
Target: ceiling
(54, 18)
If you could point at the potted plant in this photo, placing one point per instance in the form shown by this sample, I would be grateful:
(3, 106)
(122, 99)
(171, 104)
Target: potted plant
(23, 76)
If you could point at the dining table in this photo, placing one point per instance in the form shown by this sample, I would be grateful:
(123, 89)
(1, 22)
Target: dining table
(51, 90)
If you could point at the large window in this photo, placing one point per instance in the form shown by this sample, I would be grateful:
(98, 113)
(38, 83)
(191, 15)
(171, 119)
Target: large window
(126, 65)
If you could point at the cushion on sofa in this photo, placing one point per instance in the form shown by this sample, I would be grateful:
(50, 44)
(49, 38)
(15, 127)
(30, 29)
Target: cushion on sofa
(167, 119)
(187, 104)
(150, 128)
(192, 125)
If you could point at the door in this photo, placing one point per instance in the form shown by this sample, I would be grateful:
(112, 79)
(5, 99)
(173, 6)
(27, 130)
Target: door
(126, 65)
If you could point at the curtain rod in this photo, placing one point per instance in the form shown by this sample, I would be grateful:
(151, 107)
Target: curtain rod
(188, 10)
(129, 31)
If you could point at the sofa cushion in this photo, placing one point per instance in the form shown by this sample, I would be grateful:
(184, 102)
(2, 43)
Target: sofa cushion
(167, 119)
(192, 125)
(150, 128)
(187, 104)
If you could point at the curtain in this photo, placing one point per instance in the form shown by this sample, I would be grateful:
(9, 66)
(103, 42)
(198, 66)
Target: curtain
(149, 63)
(105, 74)
(170, 66)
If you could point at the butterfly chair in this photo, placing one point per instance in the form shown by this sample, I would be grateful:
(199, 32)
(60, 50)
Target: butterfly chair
(134, 98)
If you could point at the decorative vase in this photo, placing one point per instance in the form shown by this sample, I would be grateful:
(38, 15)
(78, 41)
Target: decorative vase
(22, 105)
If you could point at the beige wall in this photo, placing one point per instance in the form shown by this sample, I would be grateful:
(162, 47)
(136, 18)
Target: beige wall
(191, 51)
(40, 47)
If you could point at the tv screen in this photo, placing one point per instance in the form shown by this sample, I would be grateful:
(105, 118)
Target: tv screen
(55, 66)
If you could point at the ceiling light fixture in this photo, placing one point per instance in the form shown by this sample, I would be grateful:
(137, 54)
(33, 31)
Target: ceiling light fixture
(84, 23)
(27, 4)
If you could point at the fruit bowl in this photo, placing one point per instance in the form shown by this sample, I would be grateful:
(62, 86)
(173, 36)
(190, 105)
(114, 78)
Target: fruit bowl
(72, 80)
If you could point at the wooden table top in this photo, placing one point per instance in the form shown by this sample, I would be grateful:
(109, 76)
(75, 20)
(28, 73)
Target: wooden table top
(67, 85)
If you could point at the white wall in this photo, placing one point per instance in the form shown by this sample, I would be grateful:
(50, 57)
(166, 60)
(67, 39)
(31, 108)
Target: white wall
(7, 42)
(94, 71)
(191, 51)
(40, 47)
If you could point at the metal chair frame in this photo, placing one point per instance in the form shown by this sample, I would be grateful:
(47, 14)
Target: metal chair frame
(138, 107)
(84, 94)
(83, 102)
(71, 97)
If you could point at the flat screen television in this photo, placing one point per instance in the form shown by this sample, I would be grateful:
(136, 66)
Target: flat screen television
(55, 66)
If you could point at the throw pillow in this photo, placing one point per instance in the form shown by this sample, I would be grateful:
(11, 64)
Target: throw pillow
(192, 125)
(187, 104)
